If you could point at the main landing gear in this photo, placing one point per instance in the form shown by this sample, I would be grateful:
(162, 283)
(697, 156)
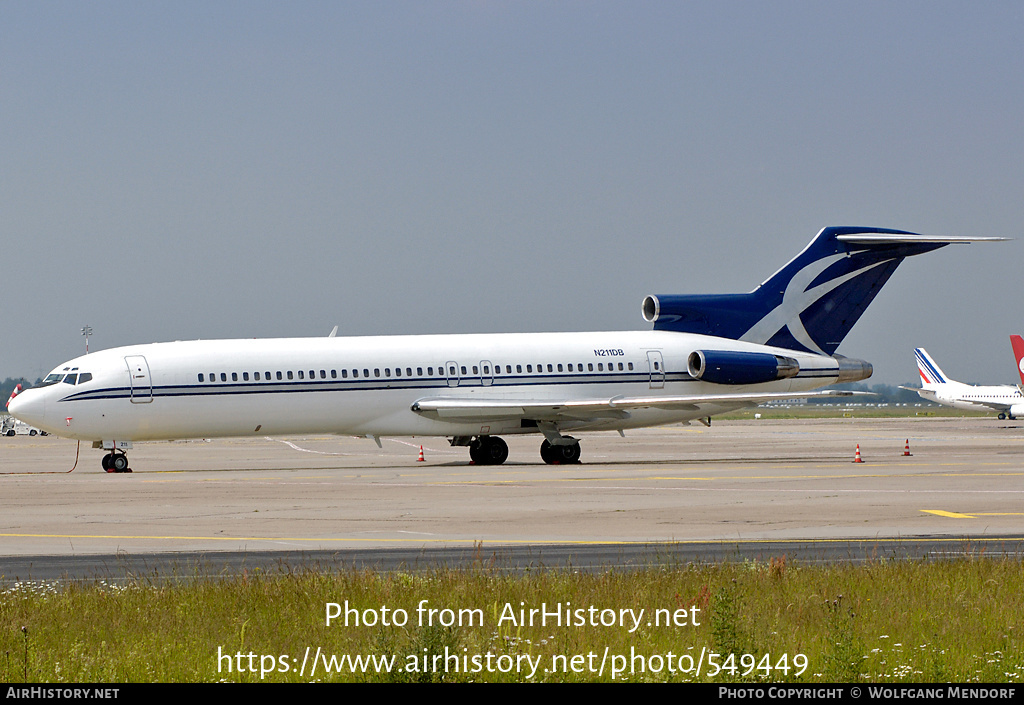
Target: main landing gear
(488, 450)
(565, 454)
(491, 450)
(115, 462)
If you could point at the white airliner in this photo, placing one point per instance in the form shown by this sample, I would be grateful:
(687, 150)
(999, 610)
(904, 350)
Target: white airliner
(706, 355)
(936, 386)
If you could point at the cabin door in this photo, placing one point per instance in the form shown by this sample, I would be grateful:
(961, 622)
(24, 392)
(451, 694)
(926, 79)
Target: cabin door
(139, 379)
(486, 375)
(657, 368)
(451, 371)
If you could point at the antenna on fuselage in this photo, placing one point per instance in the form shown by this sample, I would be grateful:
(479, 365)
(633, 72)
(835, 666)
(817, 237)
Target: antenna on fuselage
(333, 332)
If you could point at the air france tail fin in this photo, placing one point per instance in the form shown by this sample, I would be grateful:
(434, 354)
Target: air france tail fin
(931, 373)
(1018, 353)
(812, 302)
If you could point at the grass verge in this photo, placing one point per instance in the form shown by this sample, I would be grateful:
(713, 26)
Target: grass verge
(885, 621)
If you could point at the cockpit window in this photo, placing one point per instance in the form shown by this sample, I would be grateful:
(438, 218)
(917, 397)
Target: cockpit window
(52, 379)
(84, 377)
(71, 379)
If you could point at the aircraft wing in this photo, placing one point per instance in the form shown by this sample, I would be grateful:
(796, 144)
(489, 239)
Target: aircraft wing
(459, 409)
(994, 405)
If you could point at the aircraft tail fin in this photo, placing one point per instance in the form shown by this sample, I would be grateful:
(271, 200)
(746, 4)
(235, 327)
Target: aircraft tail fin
(813, 301)
(1018, 353)
(931, 373)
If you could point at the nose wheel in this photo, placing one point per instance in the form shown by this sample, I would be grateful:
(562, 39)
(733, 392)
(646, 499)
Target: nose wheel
(115, 462)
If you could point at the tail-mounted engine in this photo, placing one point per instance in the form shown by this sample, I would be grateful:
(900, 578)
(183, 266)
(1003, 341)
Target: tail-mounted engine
(732, 367)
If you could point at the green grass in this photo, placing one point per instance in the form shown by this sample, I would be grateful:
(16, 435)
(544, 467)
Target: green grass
(885, 621)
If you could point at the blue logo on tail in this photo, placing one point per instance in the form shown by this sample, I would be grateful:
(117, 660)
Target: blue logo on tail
(808, 305)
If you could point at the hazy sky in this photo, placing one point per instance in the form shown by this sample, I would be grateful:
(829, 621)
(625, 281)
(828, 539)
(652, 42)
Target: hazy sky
(176, 170)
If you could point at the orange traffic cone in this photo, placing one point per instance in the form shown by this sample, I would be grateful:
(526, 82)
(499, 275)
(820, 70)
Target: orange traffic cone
(421, 459)
(906, 449)
(856, 457)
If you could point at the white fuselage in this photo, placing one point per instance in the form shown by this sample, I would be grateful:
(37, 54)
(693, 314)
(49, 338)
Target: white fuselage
(970, 397)
(369, 385)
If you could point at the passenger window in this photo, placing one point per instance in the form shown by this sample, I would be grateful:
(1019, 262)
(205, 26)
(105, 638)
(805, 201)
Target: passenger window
(508, 369)
(279, 375)
(630, 365)
(245, 376)
(476, 370)
(559, 366)
(419, 371)
(312, 374)
(289, 374)
(302, 375)
(334, 374)
(590, 367)
(223, 376)
(256, 376)
(355, 373)
(529, 368)
(323, 374)
(570, 367)
(234, 376)
(398, 372)
(519, 368)
(463, 369)
(387, 371)
(408, 372)
(201, 377)
(376, 372)
(344, 374)
(550, 369)
(366, 372)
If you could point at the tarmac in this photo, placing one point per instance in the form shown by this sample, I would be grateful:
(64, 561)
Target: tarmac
(758, 480)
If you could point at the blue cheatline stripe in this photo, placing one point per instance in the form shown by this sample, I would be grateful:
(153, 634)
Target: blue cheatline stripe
(439, 384)
(436, 385)
(929, 366)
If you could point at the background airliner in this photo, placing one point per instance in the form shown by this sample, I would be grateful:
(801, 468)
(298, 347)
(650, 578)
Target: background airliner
(936, 386)
(707, 354)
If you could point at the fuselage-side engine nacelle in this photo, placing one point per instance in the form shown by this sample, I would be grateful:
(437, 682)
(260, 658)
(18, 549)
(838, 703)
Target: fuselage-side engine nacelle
(732, 367)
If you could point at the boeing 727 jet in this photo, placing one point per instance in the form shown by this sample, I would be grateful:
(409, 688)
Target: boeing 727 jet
(937, 386)
(706, 354)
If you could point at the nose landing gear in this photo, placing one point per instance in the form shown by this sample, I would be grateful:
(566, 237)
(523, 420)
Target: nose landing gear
(115, 462)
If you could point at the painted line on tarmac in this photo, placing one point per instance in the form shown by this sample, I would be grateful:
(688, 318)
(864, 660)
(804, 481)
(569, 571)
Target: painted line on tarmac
(974, 515)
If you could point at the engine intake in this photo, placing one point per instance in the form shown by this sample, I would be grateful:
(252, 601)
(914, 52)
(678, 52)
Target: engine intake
(732, 367)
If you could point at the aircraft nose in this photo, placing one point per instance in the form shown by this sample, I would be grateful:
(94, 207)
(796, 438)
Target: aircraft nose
(29, 406)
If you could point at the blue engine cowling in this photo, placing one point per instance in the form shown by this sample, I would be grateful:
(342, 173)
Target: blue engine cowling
(731, 367)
